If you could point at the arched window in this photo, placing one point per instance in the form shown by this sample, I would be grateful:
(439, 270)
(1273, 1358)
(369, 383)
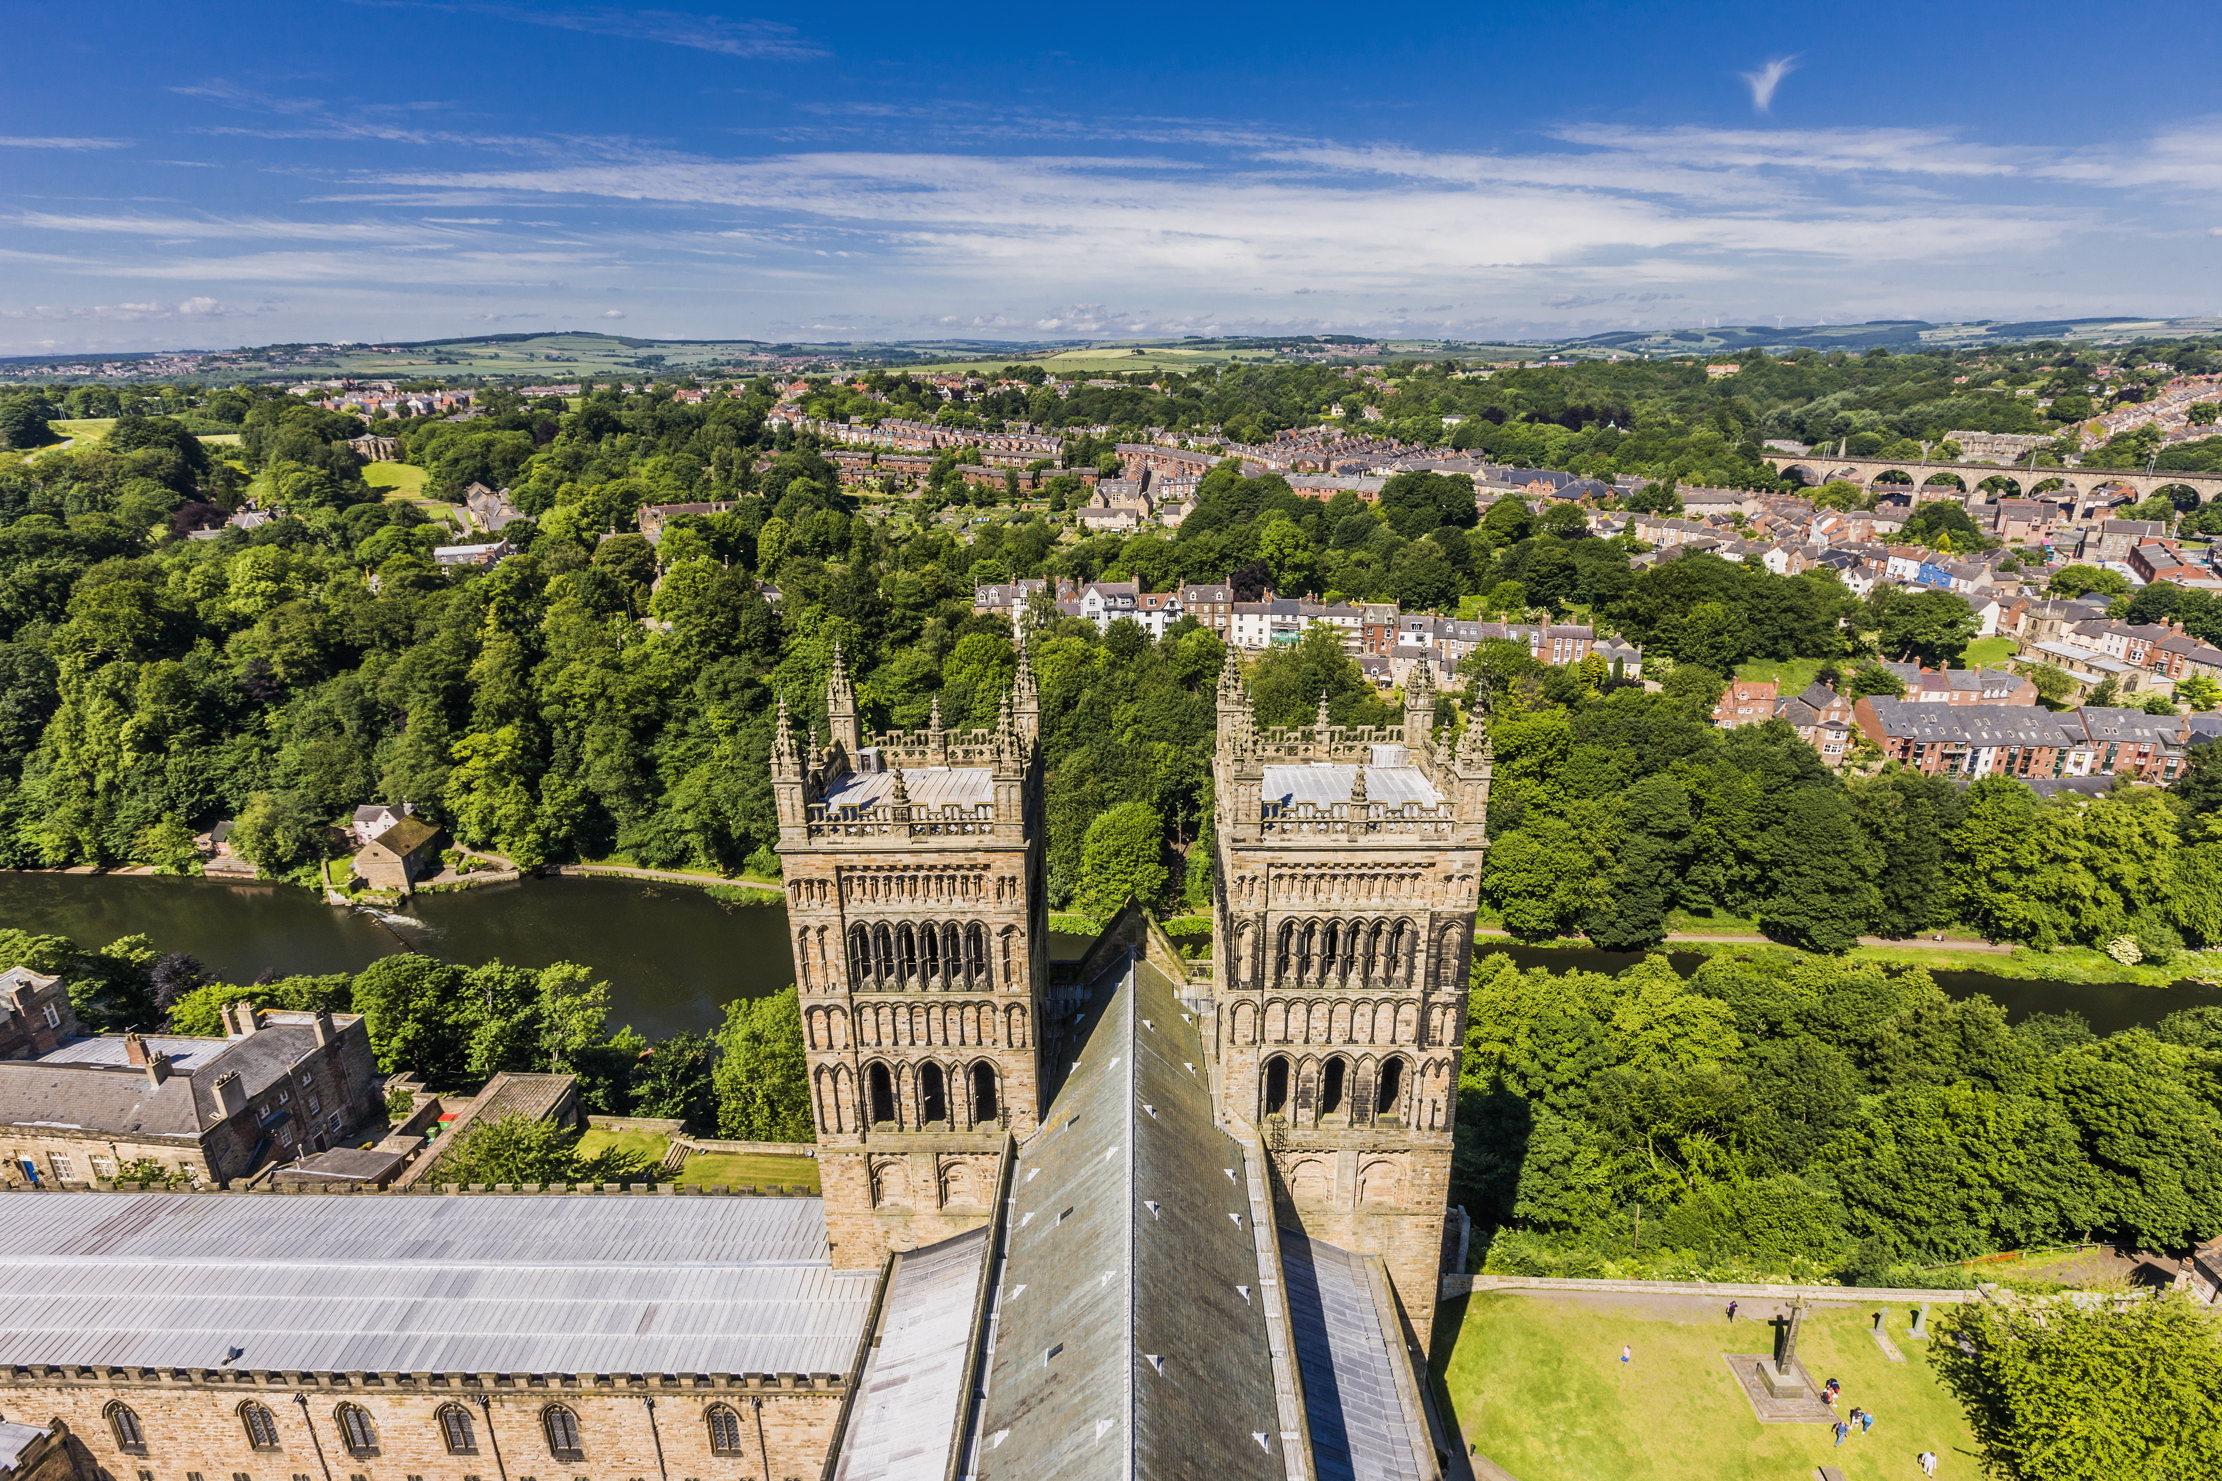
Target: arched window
(984, 1108)
(262, 1426)
(125, 1423)
(562, 1427)
(906, 942)
(725, 1431)
(860, 956)
(975, 952)
(929, 952)
(1330, 1086)
(883, 954)
(952, 954)
(356, 1431)
(1283, 952)
(456, 1432)
(1390, 1088)
(883, 1095)
(933, 1095)
(1276, 1085)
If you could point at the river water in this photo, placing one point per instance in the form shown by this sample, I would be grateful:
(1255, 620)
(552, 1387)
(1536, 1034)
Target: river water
(673, 955)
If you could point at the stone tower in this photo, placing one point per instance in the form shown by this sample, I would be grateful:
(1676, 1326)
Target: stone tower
(914, 870)
(1349, 863)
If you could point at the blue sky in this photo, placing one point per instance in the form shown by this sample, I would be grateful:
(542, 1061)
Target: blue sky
(204, 175)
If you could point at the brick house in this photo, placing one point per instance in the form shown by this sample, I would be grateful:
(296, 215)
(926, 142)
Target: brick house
(1746, 702)
(397, 858)
(35, 1014)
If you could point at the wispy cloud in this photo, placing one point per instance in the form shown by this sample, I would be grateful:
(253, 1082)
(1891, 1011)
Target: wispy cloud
(26, 142)
(203, 309)
(756, 39)
(1764, 82)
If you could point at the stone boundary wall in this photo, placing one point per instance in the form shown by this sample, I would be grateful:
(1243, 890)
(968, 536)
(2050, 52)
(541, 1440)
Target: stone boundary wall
(760, 1149)
(1462, 1285)
(636, 1123)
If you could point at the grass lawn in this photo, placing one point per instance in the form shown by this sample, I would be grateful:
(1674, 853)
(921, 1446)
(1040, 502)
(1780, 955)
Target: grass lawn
(1792, 676)
(406, 479)
(1990, 652)
(1537, 1384)
(648, 1144)
(746, 1170)
(84, 429)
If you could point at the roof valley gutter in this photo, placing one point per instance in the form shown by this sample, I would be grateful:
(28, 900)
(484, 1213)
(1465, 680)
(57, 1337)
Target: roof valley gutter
(1133, 1206)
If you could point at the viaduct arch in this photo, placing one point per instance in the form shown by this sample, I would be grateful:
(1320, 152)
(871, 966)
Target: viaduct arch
(2076, 481)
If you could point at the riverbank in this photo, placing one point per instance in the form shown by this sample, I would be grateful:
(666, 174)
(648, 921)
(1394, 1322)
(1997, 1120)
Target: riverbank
(2076, 965)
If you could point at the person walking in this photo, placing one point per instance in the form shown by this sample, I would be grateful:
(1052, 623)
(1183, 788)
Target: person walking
(1842, 1429)
(1732, 1311)
(1866, 1420)
(1928, 1462)
(1625, 1355)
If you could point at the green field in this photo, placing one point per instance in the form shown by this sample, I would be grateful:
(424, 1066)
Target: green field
(1792, 676)
(405, 479)
(1537, 1385)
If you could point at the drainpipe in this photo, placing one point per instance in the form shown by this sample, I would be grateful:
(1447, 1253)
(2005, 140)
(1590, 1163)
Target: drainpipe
(309, 1420)
(486, 1410)
(650, 1401)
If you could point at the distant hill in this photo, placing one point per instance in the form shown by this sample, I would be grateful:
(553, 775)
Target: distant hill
(1893, 334)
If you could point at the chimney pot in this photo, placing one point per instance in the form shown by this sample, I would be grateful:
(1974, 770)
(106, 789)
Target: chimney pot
(158, 1068)
(231, 1095)
(322, 1025)
(134, 1049)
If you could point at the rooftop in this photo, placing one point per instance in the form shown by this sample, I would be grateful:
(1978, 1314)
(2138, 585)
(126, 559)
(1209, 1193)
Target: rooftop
(928, 786)
(510, 1284)
(1391, 782)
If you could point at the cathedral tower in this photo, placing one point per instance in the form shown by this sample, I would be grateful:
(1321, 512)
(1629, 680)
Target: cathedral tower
(914, 871)
(1349, 863)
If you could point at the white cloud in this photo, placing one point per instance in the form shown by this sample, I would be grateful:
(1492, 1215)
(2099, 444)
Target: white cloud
(8, 142)
(767, 40)
(199, 308)
(1764, 82)
(613, 313)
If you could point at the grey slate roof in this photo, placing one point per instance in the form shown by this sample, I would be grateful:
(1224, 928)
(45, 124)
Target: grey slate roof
(911, 1397)
(386, 1283)
(1131, 1338)
(928, 786)
(1359, 1426)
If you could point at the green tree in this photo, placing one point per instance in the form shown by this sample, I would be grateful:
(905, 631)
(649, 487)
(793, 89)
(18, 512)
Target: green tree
(1869, 678)
(516, 1149)
(277, 832)
(2078, 580)
(1933, 626)
(1123, 855)
(762, 1077)
(2121, 1390)
(673, 1081)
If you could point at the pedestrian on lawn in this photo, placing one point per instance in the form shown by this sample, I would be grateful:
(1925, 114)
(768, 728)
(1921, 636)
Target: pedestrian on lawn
(1625, 1355)
(1842, 1429)
(1866, 1421)
(1928, 1462)
(1732, 1311)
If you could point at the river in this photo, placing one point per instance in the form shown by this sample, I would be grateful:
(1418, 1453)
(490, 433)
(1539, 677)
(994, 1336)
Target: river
(673, 955)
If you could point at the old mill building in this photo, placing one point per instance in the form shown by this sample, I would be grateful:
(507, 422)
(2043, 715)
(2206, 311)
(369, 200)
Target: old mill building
(1123, 1217)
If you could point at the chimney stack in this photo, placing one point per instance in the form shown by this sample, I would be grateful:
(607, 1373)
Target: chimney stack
(321, 1025)
(244, 1017)
(158, 1068)
(231, 1095)
(134, 1050)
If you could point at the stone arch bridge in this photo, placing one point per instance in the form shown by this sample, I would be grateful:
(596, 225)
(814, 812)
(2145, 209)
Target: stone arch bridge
(2075, 481)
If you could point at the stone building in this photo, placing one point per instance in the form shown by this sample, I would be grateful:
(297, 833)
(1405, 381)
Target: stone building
(35, 1015)
(277, 1086)
(914, 872)
(1348, 869)
(387, 1336)
(397, 858)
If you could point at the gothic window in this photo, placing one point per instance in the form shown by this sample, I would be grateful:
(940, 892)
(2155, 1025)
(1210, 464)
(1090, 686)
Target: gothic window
(1276, 1085)
(883, 1095)
(456, 1432)
(356, 1431)
(262, 1426)
(984, 1107)
(929, 951)
(125, 1423)
(860, 956)
(883, 954)
(952, 953)
(562, 1427)
(1390, 1088)
(907, 944)
(933, 1095)
(725, 1430)
(975, 953)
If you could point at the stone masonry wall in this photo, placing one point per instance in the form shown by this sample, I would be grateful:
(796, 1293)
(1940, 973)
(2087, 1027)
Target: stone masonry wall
(194, 1430)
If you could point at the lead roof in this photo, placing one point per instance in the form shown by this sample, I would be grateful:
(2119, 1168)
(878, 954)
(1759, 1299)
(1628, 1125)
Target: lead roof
(1130, 1337)
(511, 1284)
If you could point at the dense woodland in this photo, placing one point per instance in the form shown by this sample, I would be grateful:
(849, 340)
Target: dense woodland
(1765, 1115)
